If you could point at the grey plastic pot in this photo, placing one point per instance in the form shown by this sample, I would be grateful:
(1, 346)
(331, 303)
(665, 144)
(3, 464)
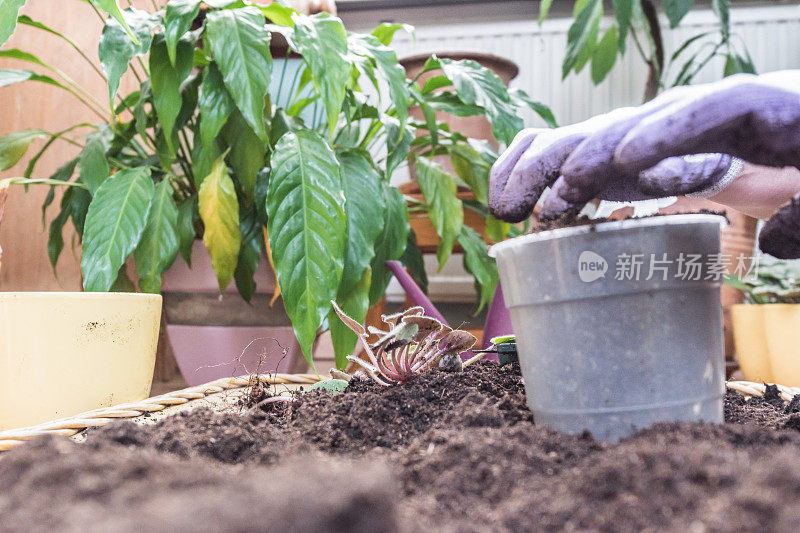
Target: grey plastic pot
(612, 355)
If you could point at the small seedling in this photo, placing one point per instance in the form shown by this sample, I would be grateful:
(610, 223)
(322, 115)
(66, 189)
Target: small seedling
(413, 343)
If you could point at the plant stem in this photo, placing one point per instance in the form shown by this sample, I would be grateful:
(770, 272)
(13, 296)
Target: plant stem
(184, 147)
(97, 12)
(283, 77)
(144, 67)
(291, 88)
(135, 74)
(655, 63)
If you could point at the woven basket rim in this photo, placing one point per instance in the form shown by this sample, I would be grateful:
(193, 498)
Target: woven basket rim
(72, 425)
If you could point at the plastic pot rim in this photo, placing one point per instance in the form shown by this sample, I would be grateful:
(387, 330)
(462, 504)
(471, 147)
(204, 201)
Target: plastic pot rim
(614, 225)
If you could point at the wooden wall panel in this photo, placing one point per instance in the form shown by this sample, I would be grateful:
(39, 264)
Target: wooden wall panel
(36, 105)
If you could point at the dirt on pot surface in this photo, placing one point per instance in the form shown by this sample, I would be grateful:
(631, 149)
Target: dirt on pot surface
(571, 219)
(445, 452)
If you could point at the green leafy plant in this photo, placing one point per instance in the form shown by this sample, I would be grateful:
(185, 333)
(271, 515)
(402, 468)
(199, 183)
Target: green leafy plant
(769, 284)
(639, 20)
(221, 140)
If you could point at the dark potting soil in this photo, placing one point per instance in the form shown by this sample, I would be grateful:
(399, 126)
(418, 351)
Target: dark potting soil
(571, 219)
(445, 452)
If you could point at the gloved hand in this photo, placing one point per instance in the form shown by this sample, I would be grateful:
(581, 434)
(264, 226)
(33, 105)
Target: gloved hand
(630, 152)
(541, 158)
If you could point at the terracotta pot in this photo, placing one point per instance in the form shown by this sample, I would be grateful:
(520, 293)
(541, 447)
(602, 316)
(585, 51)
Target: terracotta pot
(427, 238)
(476, 127)
(217, 335)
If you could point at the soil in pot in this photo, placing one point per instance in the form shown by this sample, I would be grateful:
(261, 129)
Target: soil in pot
(447, 451)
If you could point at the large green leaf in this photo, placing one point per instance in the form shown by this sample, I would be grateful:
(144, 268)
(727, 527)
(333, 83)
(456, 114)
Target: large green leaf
(249, 255)
(115, 222)
(444, 207)
(390, 243)
(247, 152)
(587, 51)
(472, 168)
(477, 85)
(605, 55)
(398, 143)
(497, 230)
(94, 169)
(735, 64)
(307, 229)
(14, 145)
(187, 211)
(623, 12)
(112, 8)
(386, 60)
(9, 76)
(219, 210)
(278, 14)
(240, 43)
(355, 303)
(386, 30)
(22, 55)
(158, 246)
(78, 203)
(451, 103)
(676, 10)
(55, 239)
(522, 98)
(544, 10)
(63, 173)
(322, 41)
(722, 11)
(165, 84)
(579, 35)
(215, 105)
(478, 263)
(178, 20)
(116, 50)
(361, 184)
(9, 9)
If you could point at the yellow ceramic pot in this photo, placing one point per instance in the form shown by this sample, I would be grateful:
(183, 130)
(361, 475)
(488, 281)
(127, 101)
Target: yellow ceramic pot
(768, 342)
(65, 353)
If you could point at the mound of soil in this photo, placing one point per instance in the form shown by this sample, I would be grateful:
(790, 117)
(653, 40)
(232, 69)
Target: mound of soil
(445, 452)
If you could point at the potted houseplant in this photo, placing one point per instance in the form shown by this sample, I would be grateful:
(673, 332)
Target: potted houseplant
(98, 350)
(603, 313)
(201, 150)
(765, 328)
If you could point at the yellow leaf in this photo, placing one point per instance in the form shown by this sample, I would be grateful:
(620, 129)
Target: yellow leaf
(219, 210)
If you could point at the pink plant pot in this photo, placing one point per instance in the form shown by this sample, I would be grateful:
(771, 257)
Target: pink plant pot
(216, 335)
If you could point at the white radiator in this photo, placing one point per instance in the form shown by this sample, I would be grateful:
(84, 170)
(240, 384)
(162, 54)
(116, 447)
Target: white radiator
(772, 35)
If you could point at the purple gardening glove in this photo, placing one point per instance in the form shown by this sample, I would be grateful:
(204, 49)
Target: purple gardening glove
(631, 153)
(756, 118)
(577, 162)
